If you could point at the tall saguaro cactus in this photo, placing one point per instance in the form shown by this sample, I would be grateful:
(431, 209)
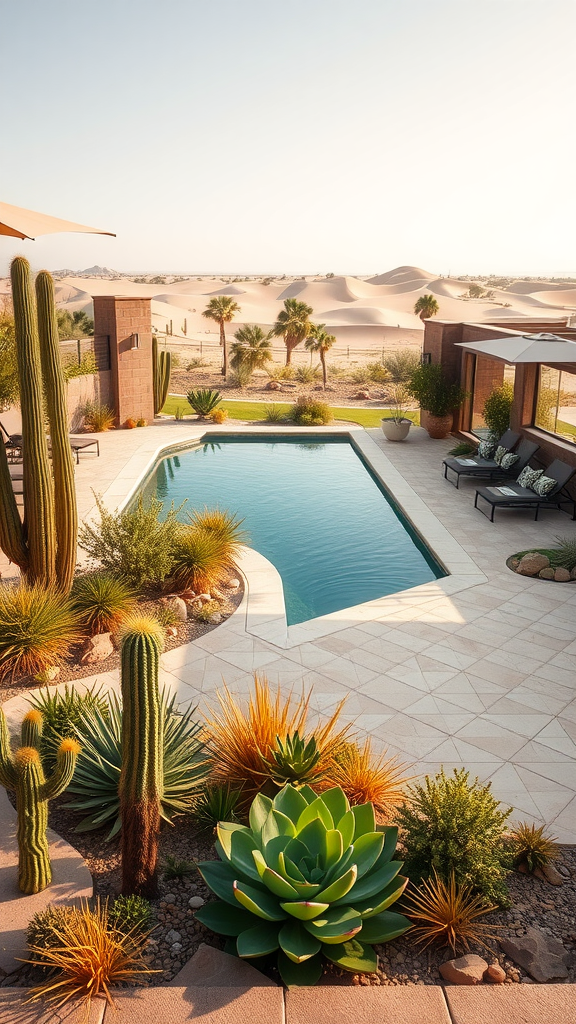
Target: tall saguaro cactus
(161, 369)
(44, 545)
(142, 772)
(23, 773)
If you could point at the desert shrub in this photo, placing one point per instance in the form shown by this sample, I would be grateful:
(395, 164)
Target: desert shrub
(141, 422)
(361, 375)
(241, 375)
(496, 411)
(37, 629)
(199, 561)
(306, 374)
(73, 368)
(101, 601)
(218, 415)
(278, 372)
(366, 777)
(447, 914)
(175, 868)
(167, 616)
(203, 400)
(42, 931)
(135, 543)
(565, 554)
(179, 413)
(91, 957)
(531, 846)
(97, 417)
(196, 363)
(240, 739)
(97, 774)
(130, 913)
(401, 365)
(208, 609)
(274, 413)
(378, 373)
(62, 713)
(454, 826)
(217, 803)
(308, 412)
(176, 360)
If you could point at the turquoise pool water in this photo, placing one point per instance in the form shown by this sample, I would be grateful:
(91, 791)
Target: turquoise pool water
(310, 506)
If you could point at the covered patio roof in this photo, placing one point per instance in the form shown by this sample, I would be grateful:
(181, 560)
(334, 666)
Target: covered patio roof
(525, 348)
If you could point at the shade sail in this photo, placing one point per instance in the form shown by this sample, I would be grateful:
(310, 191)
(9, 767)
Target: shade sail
(525, 348)
(20, 223)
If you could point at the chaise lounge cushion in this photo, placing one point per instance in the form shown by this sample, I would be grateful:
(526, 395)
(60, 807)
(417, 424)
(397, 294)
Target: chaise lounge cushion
(528, 476)
(543, 485)
(486, 449)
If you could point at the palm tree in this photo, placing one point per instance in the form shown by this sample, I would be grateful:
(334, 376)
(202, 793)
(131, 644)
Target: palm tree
(426, 306)
(293, 325)
(251, 349)
(319, 341)
(222, 308)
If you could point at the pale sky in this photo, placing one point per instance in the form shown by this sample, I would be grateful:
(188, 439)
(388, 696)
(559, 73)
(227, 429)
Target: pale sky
(301, 136)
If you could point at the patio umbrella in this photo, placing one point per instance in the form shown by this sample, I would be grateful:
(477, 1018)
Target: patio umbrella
(20, 223)
(525, 348)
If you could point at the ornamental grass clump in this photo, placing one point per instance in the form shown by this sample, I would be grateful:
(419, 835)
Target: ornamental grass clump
(447, 914)
(532, 848)
(241, 738)
(101, 601)
(452, 826)
(199, 561)
(37, 629)
(366, 777)
(310, 879)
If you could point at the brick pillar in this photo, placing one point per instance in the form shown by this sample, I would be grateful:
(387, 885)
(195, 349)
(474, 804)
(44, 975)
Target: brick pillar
(121, 319)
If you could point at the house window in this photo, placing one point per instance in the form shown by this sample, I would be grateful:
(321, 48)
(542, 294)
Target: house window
(556, 402)
(488, 375)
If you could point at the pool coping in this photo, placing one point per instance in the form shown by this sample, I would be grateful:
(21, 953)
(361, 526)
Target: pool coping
(264, 607)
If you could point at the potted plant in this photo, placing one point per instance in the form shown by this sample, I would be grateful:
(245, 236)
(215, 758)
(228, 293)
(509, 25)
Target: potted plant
(396, 425)
(438, 397)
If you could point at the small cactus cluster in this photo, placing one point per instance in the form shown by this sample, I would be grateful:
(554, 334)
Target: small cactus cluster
(44, 547)
(161, 368)
(142, 772)
(23, 773)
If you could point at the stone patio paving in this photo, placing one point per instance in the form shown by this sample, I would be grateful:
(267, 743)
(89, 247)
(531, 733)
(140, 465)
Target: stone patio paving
(475, 670)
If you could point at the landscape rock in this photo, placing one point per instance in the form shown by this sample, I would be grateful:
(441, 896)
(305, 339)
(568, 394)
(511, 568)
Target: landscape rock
(215, 618)
(188, 594)
(573, 573)
(547, 573)
(273, 385)
(543, 956)
(97, 648)
(532, 563)
(362, 396)
(233, 584)
(48, 675)
(550, 874)
(466, 970)
(171, 631)
(562, 575)
(176, 605)
(495, 974)
(172, 937)
(195, 902)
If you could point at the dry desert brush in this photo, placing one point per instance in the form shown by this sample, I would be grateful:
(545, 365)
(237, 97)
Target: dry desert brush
(367, 777)
(532, 847)
(447, 914)
(38, 626)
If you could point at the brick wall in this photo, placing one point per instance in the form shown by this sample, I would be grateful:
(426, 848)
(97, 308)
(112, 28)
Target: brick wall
(120, 318)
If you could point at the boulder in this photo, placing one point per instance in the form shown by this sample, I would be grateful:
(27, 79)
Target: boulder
(97, 648)
(495, 974)
(562, 575)
(466, 970)
(532, 563)
(362, 396)
(547, 573)
(176, 605)
(573, 573)
(548, 873)
(273, 385)
(233, 584)
(543, 956)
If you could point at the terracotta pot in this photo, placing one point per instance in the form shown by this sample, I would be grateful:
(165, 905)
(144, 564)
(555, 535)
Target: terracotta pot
(395, 430)
(437, 426)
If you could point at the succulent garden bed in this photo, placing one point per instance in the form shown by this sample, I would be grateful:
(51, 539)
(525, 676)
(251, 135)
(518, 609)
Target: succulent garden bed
(543, 564)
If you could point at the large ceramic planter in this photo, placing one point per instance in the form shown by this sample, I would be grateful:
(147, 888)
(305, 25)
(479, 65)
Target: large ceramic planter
(437, 426)
(395, 430)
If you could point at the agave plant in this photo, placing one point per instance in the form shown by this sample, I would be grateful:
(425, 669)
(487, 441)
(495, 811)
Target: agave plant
(203, 400)
(97, 774)
(310, 877)
(294, 760)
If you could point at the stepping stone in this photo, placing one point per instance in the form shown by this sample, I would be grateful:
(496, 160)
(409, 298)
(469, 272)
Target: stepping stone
(211, 968)
(15, 1010)
(71, 880)
(513, 1004)
(383, 1004)
(217, 1004)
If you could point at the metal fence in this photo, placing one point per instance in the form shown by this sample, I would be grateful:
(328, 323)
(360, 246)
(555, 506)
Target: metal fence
(76, 349)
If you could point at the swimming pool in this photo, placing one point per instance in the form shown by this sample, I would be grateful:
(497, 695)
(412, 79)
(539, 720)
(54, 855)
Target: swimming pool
(312, 507)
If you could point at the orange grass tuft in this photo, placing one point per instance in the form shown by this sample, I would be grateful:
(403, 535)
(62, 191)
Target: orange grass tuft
(448, 914)
(367, 777)
(241, 739)
(91, 959)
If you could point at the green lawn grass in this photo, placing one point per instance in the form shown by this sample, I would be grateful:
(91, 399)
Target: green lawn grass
(257, 411)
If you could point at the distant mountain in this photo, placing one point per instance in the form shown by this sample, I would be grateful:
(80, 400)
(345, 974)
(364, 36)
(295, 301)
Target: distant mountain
(89, 272)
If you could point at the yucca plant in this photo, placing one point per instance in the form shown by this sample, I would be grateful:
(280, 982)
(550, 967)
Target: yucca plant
(101, 601)
(240, 739)
(294, 760)
(310, 878)
(215, 804)
(203, 400)
(37, 629)
(200, 561)
(369, 778)
(92, 956)
(447, 914)
(95, 784)
(274, 413)
(532, 847)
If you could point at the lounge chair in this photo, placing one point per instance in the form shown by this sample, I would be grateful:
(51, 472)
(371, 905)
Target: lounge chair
(477, 467)
(12, 442)
(78, 445)
(511, 495)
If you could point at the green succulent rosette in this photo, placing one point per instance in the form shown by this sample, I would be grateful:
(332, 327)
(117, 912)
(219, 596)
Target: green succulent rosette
(311, 877)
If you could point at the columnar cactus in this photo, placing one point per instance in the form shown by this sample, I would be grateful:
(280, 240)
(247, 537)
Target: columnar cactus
(142, 772)
(23, 773)
(161, 368)
(45, 547)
